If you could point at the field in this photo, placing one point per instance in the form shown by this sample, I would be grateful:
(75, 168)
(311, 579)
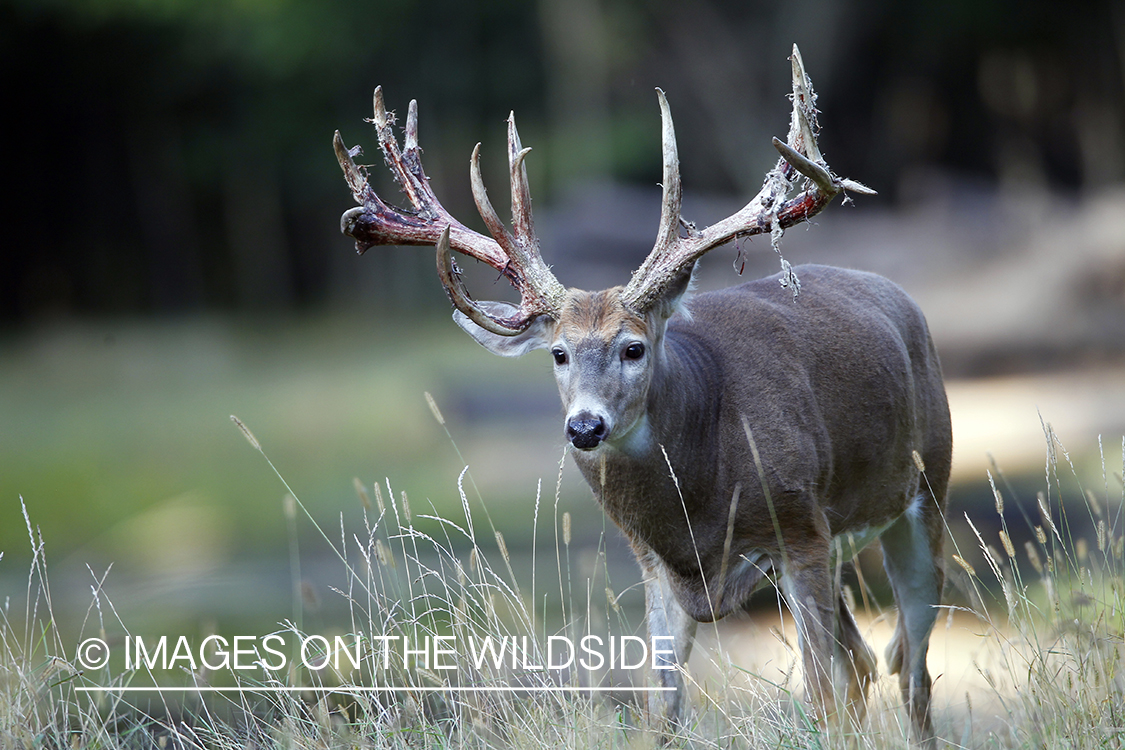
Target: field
(127, 462)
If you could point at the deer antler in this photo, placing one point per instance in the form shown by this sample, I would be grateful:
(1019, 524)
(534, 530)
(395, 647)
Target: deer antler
(516, 256)
(768, 211)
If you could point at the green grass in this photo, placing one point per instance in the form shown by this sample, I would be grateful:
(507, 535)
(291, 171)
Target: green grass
(104, 422)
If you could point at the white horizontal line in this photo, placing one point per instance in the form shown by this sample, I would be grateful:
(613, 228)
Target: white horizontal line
(377, 689)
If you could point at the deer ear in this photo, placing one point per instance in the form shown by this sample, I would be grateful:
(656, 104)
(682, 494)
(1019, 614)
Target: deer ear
(535, 337)
(674, 298)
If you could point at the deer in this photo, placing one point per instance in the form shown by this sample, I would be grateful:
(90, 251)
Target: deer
(739, 437)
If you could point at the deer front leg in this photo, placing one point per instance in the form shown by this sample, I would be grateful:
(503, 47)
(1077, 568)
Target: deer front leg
(855, 668)
(807, 584)
(666, 619)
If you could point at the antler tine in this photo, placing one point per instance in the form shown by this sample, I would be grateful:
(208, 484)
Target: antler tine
(376, 223)
(672, 187)
(484, 206)
(673, 254)
(523, 248)
(526, 247)
(802, 123)
(352, 175)
(427, 223)
(667, 235)
(450, 277)
(521, 194)
(802, 137)
(802, 152)
(415, 186)
(410, 139)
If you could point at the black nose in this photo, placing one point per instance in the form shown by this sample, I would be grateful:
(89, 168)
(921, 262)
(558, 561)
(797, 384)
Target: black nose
(585, 431)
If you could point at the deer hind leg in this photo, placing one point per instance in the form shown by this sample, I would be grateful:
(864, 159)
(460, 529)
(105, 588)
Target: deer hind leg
(912, 558)
(666, 618)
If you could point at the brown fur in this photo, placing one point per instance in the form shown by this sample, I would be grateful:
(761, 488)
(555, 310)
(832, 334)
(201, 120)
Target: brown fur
(600, 315)
(838, 389)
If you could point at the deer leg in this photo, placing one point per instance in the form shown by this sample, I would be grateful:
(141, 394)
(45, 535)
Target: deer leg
(912, 558)
(807, 584)
(666, 619)
(855, 666)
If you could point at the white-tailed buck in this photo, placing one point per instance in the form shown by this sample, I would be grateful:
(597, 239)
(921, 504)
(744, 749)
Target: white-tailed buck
(734, 435)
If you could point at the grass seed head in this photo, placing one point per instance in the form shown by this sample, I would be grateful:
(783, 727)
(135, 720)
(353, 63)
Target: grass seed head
(246, 432)
(1007, 542)
(1092, 500)
(379, 499)
(503, 546)
(566, 528)
(360, 490)
(1045, 514)
(384, 554)
(434, 408)
(965, 564)
(612, 599)
(918, 462)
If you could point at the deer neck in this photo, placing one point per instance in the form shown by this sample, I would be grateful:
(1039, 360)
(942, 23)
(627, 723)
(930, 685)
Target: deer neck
(632, 477)
(675, 427)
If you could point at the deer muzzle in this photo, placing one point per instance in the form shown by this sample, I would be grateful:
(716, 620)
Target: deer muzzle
(586, 431)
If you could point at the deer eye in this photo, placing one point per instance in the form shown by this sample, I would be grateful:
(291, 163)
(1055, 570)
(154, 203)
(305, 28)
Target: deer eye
(559, 355)
(635, 351)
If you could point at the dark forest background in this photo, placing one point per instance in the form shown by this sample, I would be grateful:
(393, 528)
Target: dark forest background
(170, 156)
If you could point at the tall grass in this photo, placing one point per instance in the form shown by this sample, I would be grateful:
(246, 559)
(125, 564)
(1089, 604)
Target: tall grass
(1049, 616)
(1054, 609)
